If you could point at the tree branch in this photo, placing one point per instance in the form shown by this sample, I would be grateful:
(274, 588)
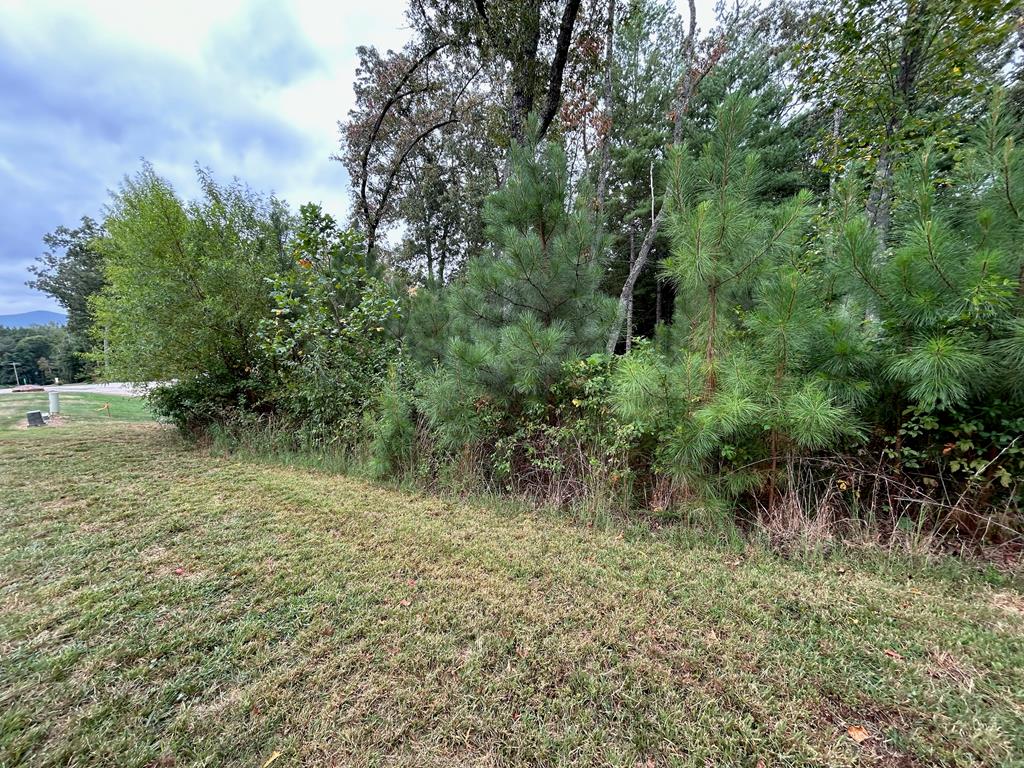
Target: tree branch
(691, 79)
(395, 97)
(554, 95)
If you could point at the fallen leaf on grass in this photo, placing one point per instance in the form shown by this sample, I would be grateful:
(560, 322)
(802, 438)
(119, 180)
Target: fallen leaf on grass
(858, 733)
(276, 754)
(892, 654)
(405, 603)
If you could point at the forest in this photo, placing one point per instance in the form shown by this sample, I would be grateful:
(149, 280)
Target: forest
(764, 277)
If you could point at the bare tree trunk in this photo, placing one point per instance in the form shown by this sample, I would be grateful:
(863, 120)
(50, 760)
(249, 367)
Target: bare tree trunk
(606, 142)
(553, 99)
(779, 371)
(525, 66)
(443, 259)
(879, 200)
(689, 83)
(429, 243)
(523, 71)
(879, 204)
(709, 352)
(833, 177)
(629, 305)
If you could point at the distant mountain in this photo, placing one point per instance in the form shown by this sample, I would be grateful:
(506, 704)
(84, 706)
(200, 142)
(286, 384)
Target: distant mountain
(39, 317)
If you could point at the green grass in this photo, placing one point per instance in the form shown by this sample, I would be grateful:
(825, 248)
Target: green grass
(76, 408)
(161, 606)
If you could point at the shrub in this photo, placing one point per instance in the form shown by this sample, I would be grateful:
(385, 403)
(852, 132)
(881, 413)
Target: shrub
(325, 342)
(194, 404)
(186, 283)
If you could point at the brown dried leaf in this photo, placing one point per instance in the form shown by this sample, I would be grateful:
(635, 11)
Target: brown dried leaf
(858, 733)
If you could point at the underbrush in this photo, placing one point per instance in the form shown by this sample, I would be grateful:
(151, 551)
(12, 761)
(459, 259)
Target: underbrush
(936, 484)
(812, 525)
(831, 506)
(576, 459)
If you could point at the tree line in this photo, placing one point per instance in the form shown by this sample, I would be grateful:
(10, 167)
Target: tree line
(769, 272)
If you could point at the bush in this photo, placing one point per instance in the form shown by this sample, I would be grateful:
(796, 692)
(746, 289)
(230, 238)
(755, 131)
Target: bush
(327, 360)
(186, 282)
(194, 405)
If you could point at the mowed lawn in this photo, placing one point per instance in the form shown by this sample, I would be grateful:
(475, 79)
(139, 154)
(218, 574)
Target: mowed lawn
(75, 408)
(160, 606)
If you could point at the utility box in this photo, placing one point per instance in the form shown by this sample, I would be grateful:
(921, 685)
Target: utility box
(35, 419)
(54, 403)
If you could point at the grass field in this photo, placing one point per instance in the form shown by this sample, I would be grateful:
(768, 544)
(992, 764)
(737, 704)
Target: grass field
(76, 408)
(160, 606)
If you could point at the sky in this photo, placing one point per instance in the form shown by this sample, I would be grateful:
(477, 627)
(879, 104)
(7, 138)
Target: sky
(248, 88)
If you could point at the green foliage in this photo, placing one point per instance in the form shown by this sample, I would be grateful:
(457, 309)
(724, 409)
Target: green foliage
(943, 312)
(724, 238)
(426, 330)
(71, 271)
(985, 445)
(194, 404)
(325, 344)
(945, 303)
(40, 352)
(901, 72)
(393, 431)
(186, 283)
(523, 310)
(735, 390)
(574, 446)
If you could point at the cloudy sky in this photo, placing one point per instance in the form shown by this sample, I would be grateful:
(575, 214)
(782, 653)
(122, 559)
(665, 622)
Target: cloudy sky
(249, 88)
(88, 87)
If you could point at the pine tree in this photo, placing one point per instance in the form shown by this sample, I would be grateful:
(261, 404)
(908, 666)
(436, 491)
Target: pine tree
(724, 238)
(946, 301)
(733, 393)
(528, 306)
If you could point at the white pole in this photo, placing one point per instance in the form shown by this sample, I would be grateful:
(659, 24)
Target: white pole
(54, 403)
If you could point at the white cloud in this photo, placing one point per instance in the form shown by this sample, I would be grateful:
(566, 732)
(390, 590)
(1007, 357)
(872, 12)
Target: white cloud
(250, 89)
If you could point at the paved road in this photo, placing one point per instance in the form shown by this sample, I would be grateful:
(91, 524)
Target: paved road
(111, 388)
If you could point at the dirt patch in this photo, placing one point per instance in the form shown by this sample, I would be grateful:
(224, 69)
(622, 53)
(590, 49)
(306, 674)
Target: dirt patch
(160, 561)
(227, 700)
(57, 420)
(875, 722)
